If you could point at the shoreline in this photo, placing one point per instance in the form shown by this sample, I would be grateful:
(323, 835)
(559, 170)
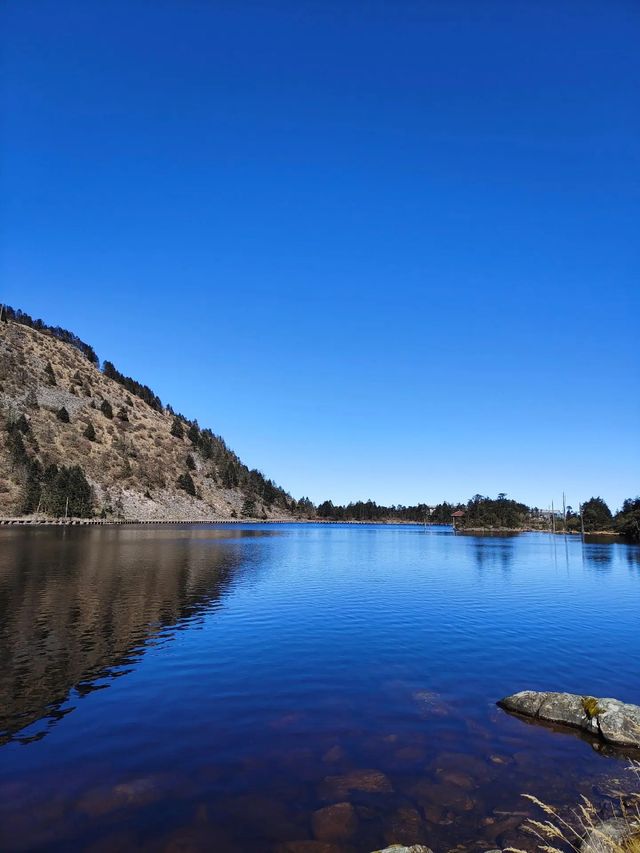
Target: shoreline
(31, 521)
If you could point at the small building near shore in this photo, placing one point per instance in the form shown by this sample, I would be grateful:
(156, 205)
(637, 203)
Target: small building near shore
(459, 513)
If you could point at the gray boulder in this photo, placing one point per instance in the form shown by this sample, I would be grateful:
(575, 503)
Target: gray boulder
(616, 723)
(609, 836)
(399, 848)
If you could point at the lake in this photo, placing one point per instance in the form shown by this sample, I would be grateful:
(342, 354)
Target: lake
(212, 687)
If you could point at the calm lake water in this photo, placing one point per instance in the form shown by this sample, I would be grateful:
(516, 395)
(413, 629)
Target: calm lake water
(211, 688)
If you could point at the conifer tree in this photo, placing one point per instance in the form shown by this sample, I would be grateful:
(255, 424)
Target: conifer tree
(176, 428)
(185, 481)
(63, 415)
(90, 432)
(105, 408)
(51, 377)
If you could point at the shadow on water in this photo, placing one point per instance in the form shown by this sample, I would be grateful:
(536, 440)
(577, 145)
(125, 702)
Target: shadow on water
(79, 607)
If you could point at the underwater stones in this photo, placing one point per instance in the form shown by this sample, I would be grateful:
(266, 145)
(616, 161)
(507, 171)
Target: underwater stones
(617, 723)
(455, 777)
(442, 794)
(334, 823)
(192, 839)
(369, 781)
(460, 762)
(309, 847)
(433, 812)
(405, 826)
(494, 830)
(411, 755)
(132, 793)
(430, 704)
(334, 755)
(400, 848)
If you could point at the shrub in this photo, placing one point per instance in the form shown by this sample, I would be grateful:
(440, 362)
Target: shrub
(105, 408)
(90, 432)
(22, 424)
(191, 462)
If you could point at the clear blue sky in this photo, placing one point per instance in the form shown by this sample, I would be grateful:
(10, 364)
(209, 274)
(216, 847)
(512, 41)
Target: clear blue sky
(386, 249)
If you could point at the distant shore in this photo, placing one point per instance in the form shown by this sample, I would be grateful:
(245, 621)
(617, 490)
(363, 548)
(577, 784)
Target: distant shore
(40, 521)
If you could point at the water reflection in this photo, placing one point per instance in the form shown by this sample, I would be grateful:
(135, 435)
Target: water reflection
(494, 552)
(632, 555)
(598, 556)
(77, 608)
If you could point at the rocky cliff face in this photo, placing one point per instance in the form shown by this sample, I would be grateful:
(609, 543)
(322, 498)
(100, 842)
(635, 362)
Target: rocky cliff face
(128, 450)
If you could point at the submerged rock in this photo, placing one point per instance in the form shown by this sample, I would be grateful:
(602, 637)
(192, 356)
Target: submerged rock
(369, 781)
(334, 823)
(430, 704)
(405, 826)
(399, 848)
(617, 723)
(307, 846)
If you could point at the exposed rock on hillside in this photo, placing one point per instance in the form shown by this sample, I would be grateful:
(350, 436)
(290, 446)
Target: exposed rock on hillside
(139, 463)
(617, 723)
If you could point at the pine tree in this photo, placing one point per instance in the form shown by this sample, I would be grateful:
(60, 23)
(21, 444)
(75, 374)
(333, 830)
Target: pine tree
(90, 432)
(105, 408)
(193, 434)
(191, 462)
(51, 377)
(249, 507)
(176, 428)
(185, 482)
(63, 415)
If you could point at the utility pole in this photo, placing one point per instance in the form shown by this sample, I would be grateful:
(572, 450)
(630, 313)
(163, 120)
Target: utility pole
(553, 519)
(564, 514)
(581, 523)
(66, 508)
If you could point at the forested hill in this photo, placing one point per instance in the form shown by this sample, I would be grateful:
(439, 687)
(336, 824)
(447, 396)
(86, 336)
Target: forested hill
(84, 441)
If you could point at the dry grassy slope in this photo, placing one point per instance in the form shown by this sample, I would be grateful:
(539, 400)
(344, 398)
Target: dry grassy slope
(127, 460)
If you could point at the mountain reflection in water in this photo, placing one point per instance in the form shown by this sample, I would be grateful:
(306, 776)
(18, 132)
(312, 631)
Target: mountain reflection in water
(77, 608)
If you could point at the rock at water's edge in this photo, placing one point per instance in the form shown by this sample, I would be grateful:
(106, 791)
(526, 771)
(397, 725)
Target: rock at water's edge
(608, 837)
(617, 723)
(399, 848)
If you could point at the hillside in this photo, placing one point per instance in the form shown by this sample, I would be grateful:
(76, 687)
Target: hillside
(60, 412)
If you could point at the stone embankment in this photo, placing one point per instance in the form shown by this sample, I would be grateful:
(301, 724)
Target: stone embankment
(84, 522)
(34, 520)
(616, 723)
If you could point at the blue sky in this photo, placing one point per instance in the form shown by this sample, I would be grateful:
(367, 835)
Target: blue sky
(386, 249)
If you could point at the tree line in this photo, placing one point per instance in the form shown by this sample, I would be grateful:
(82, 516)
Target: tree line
(52, 490)
(8, 313)
(486, 513)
